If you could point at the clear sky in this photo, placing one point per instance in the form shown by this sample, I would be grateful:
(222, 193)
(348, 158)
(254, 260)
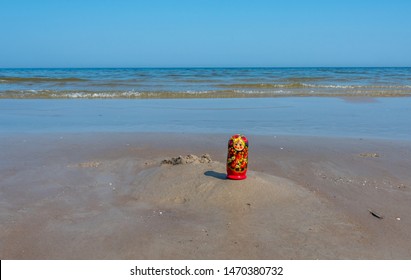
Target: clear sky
(204, 33)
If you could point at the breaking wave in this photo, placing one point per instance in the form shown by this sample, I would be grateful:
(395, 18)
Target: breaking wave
(232, 93)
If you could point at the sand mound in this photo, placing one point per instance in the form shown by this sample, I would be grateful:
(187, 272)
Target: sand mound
(184, 208)
(193, 211)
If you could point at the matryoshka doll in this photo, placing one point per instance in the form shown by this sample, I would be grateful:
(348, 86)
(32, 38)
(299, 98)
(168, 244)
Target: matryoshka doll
(237, 157)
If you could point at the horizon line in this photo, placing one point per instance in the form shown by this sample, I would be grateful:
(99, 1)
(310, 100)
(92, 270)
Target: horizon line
(198, 67)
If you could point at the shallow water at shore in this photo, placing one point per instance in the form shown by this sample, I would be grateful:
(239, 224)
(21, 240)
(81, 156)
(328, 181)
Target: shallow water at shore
(388, 118)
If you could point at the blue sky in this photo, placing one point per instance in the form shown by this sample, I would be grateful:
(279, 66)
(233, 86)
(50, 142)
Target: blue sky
(200, 33)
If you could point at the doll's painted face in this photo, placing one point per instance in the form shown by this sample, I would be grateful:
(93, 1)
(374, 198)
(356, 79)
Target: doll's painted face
(239, 145)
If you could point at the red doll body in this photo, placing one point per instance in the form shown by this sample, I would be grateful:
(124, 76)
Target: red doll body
(237, 157)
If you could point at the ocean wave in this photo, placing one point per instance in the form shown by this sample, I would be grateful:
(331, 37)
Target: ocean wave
(229, 93)
(303, 79)
(96, 95)
(262, 85)
(39, 79)
(306, 85)
(288, 85)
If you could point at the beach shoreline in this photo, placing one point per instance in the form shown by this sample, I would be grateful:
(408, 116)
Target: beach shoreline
(107, 196)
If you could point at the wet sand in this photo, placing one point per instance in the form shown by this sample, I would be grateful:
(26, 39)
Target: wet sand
(108, 196)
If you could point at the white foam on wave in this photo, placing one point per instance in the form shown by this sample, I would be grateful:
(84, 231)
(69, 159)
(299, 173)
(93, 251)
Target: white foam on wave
(251, 92)
(90, 95)
(196, 92)
(329, 86)
(358, 86)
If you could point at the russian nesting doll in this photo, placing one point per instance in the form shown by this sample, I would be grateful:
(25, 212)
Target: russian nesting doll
(237, 157)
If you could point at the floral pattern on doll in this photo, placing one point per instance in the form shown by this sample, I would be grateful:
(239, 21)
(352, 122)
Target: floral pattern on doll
(237, 158)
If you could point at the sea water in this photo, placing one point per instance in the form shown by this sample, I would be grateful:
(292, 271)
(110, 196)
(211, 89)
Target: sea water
(332, 102)
(203, 82)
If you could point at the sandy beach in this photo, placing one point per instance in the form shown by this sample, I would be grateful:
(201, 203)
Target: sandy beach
(109, 196)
